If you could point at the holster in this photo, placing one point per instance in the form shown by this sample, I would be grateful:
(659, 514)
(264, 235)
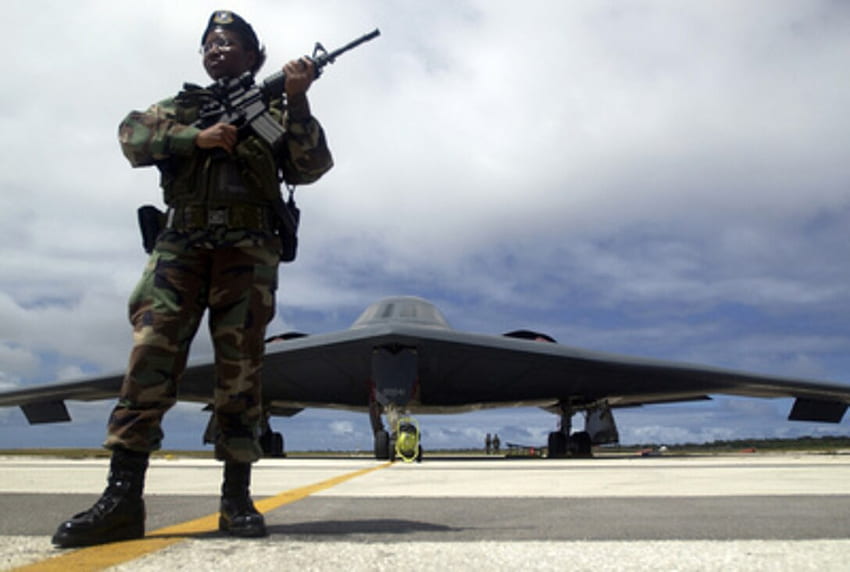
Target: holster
(151, 223)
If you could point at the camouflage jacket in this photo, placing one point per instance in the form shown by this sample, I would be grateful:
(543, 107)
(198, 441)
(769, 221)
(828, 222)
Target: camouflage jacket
(164, 136)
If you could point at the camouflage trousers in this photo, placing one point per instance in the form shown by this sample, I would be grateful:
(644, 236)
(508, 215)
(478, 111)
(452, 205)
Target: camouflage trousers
(237, 286)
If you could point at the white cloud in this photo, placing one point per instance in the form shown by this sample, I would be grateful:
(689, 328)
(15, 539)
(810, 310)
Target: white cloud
(342, 428)
(16, 361)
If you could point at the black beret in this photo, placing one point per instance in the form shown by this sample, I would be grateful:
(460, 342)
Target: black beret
(232, 21)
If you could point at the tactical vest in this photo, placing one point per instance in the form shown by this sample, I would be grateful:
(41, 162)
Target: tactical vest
(213, 179)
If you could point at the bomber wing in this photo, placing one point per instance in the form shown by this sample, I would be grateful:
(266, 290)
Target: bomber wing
(447, 370)
(462, 371)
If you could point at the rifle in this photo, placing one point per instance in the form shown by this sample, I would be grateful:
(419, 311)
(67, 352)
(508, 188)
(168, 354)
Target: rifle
(243, 103)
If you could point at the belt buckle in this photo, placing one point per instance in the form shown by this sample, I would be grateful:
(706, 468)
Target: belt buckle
(217, 217)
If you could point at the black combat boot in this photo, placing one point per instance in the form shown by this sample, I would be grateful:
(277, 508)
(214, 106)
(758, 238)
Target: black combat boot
(238, 516)
(119, 514)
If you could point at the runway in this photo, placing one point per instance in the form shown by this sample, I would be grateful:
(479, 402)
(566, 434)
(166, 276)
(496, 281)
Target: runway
(735, 512)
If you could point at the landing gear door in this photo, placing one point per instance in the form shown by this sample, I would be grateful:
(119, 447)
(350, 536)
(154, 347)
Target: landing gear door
(394, 373)
(599, 424)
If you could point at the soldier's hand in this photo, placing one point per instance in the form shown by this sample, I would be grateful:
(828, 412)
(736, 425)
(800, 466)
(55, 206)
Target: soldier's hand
(221, 135)
(299, 75)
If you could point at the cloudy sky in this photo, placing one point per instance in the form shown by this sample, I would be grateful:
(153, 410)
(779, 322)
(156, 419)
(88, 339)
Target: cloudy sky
(654, 178)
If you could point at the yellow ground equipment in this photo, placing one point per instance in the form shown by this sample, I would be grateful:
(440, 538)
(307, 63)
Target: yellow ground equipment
(407, 447)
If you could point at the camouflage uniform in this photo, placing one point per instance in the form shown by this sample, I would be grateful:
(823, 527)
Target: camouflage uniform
(219, 252)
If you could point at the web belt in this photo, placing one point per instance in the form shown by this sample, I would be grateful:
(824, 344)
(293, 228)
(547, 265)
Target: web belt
(198, 217)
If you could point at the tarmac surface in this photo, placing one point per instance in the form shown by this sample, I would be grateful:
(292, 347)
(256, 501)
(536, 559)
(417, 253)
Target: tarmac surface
(735, 512)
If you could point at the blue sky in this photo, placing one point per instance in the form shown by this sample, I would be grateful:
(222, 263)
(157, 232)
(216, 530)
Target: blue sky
(653, 178)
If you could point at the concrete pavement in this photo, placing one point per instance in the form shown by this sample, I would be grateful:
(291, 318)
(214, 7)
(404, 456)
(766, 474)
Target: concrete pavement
(749, 512)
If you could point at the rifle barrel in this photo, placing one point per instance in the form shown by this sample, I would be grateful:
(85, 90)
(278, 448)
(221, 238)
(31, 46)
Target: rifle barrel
(273, 85)
(353, 44)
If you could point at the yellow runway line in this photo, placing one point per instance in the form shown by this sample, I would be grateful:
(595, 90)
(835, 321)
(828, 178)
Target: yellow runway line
(105, 555)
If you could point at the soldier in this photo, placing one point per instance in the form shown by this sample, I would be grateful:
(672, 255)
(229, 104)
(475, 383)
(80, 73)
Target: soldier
(219, 252)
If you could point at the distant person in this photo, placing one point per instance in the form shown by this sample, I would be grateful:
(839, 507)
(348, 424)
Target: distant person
(488, 444)
(219, 252)
(496, 444)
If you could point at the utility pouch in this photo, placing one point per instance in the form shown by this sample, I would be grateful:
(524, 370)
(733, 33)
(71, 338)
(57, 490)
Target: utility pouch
(151, 223)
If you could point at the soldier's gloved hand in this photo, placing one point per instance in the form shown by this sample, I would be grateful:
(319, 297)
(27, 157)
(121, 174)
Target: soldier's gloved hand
(221, 135)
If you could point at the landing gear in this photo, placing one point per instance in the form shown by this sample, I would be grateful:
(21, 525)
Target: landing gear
(272, 444)
(557, 445)
(562, 444)
(384, 447)
(580, 445)
(395, 374)
(599, 429)
(404, 440)
(577, 445)
(559, 441)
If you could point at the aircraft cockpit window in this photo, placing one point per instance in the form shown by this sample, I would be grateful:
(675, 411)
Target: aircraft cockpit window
(408, 311)
(403, 310)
